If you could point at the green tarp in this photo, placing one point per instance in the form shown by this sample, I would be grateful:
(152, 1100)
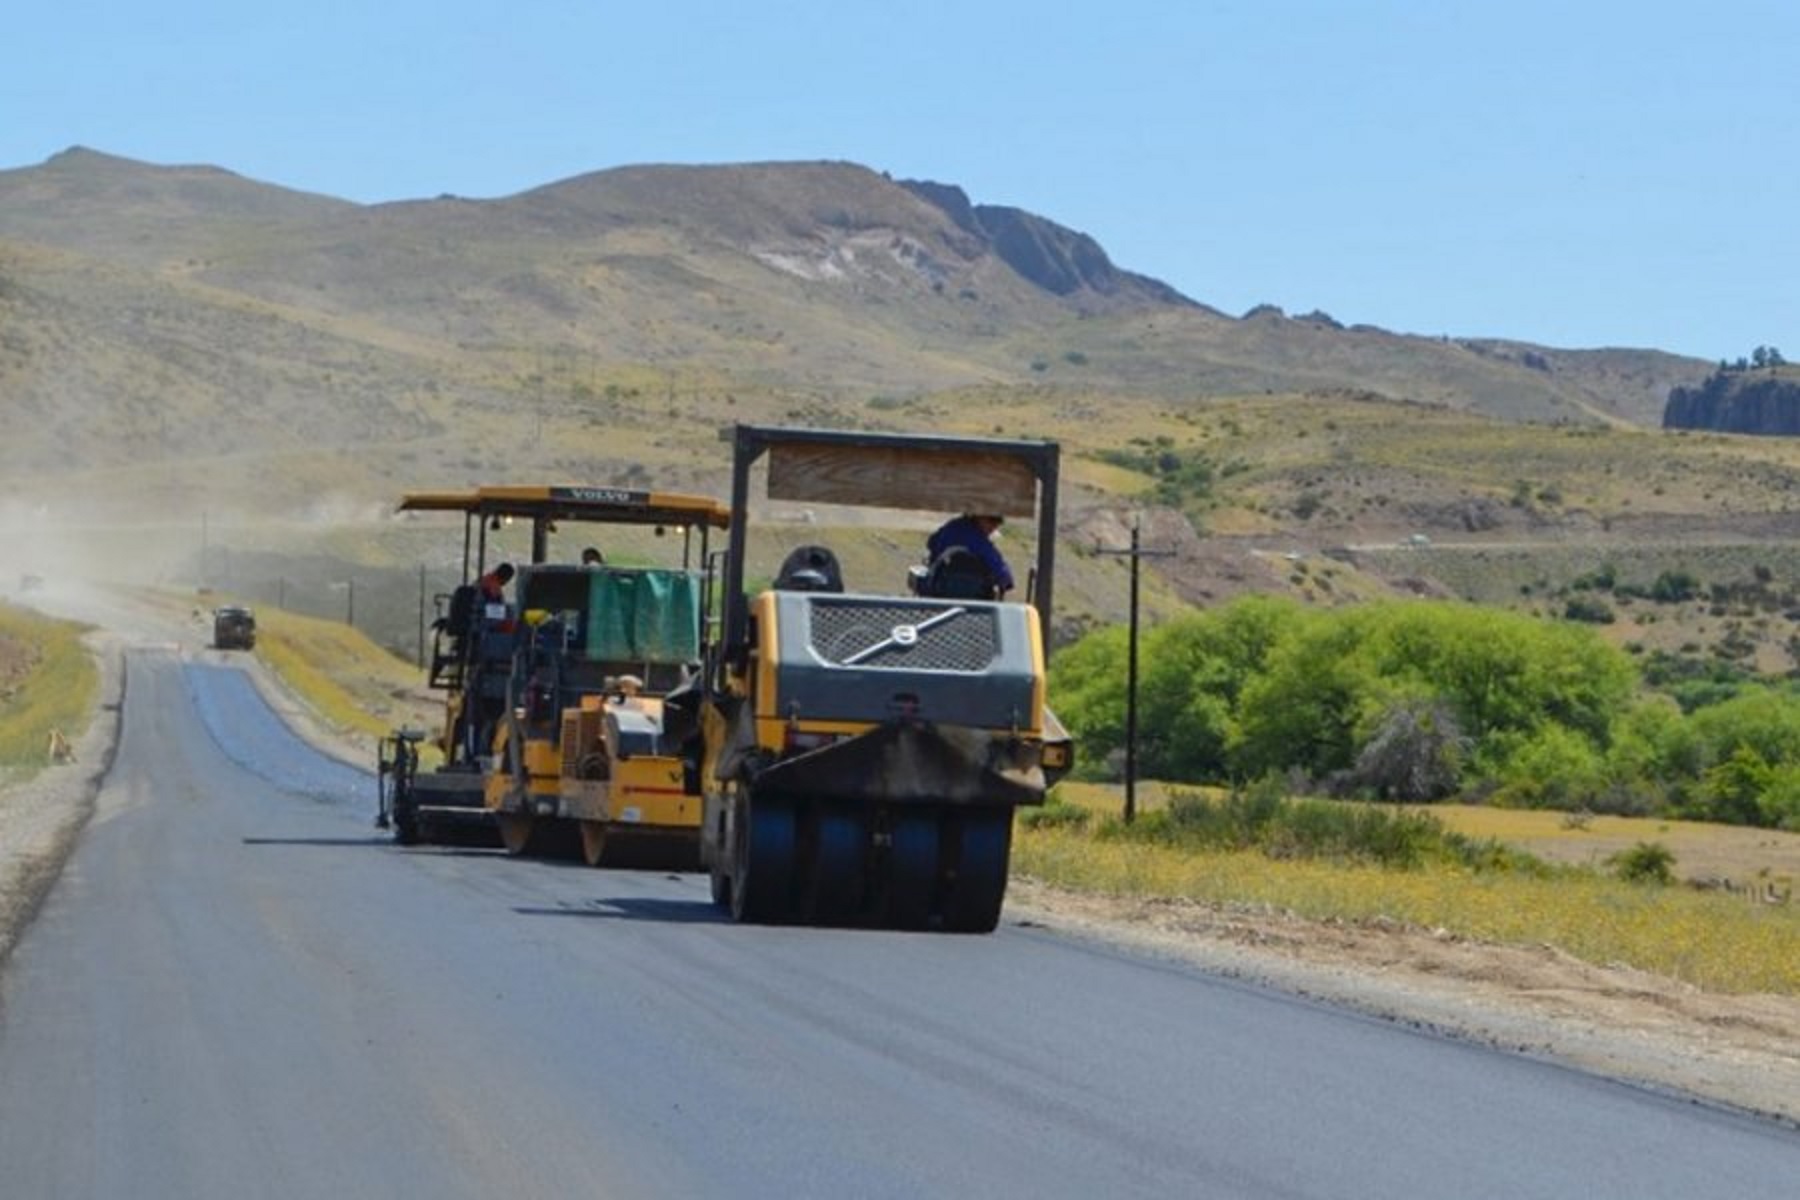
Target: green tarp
(645, 615)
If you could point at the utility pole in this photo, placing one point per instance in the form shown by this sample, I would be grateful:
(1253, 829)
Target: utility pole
(1136, 552)
(421, 614)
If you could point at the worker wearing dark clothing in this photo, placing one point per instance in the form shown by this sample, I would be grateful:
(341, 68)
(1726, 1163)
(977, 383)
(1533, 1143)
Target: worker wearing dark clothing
(493, 585)
(489, 660)
(973, 532)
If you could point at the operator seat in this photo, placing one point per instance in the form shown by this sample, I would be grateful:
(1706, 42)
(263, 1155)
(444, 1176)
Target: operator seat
(810, 569)
(959, 574)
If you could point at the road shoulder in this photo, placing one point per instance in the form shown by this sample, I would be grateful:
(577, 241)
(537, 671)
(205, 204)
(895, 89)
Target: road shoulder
(1740, 1052)
(41, 818)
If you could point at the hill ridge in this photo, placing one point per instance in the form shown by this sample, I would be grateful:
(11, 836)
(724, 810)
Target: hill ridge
(157, 310)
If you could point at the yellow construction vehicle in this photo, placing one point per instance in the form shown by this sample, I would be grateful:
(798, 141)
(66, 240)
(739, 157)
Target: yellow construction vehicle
(563, 723)
(864, 749)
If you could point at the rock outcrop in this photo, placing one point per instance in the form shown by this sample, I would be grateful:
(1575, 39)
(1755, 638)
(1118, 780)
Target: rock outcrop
(1760, 402)
(1052, 256)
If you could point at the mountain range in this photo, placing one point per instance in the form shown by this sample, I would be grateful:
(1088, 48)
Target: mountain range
(153, 316)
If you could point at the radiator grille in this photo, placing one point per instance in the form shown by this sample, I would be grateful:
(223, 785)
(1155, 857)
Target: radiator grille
(914, 637)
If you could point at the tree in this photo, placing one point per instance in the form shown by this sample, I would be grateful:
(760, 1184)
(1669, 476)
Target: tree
(1763, 719)
(1087, 682)
(1733, 789)
(1415, 754)
(1654, 753)
(1198, 668)
(1303, 711)
(1780, 799)
(1499, 671)
(1553, 767)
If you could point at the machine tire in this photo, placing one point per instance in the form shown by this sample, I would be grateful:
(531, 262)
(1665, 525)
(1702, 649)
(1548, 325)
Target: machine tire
(762, 875)
(528, 836)
(912, 868)
(524, 835)
(404, 818)
(593, 842)
(838, 867)
(982, 847)
(515, 831)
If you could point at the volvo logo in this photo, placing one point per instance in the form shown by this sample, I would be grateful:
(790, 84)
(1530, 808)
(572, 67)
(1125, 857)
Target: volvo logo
(903, 635)
(599, 495)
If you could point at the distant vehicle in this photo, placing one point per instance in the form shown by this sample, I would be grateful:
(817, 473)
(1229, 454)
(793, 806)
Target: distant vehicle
(234, 628)
(1418, 539)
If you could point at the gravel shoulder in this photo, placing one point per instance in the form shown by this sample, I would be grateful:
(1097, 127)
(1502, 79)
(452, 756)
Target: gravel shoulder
(40, 819)
(1740, 1052)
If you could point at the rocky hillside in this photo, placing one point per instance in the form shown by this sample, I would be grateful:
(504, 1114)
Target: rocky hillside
(1059, 260)
(175, 327)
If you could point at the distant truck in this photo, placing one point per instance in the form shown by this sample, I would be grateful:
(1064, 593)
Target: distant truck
(234, 628)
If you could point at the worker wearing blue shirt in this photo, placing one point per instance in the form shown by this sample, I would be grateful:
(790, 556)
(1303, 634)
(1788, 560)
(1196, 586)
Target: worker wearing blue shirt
(974, 532)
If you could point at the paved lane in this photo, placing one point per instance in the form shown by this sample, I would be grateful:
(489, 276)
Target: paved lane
(238, 988)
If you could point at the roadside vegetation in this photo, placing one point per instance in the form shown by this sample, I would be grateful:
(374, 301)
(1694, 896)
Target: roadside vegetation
(47, 682)
(1428, 701)
(1614, 805)
(1375, 865)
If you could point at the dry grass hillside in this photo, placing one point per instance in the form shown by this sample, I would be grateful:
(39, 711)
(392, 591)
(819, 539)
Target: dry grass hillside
(186, 314)
(208, 377)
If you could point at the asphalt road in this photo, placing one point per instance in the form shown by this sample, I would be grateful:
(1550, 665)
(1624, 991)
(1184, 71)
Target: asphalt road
(238, 988)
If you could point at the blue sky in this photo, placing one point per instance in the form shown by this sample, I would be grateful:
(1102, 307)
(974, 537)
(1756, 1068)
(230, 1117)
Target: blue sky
(1575, 174)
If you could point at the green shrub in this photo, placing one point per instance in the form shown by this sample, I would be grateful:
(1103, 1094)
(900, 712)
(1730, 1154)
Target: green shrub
(1602, 579)
(1056, 814)
(1555, 767)
(1260, 817)
(1674, 587)
(1588, 609)
(1183, 477)
(1646, 862)
(1494, 856)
